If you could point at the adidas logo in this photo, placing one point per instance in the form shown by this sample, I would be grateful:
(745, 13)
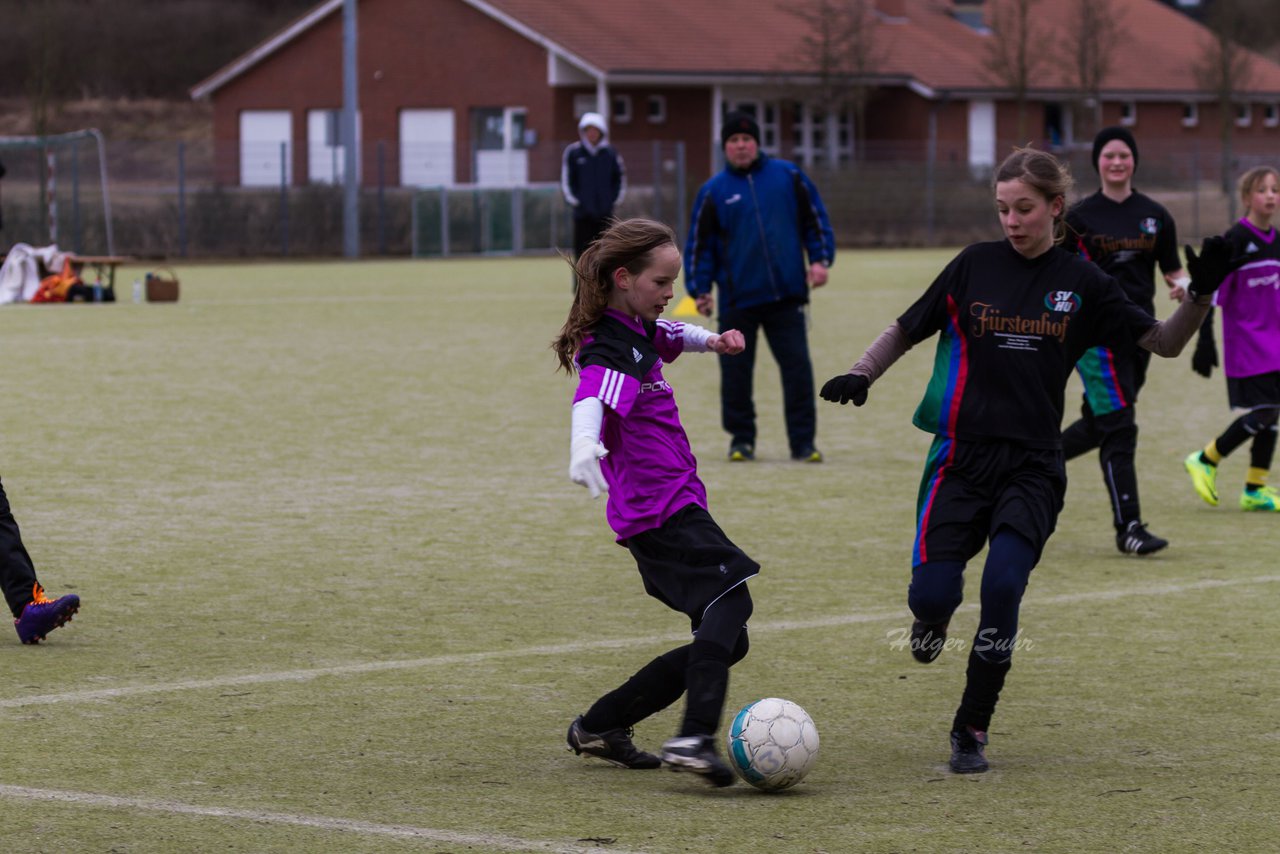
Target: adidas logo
(635, 354)
(1252, 247)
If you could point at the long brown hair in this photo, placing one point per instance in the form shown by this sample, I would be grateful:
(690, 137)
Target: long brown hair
(626, 244)
(1044, 173)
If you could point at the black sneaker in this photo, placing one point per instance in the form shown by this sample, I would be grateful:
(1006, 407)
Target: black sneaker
(967, 751)
(742, 452)
(1135, 539)
(612, 746)
(807, 455)
(927, 640)
(697, 753)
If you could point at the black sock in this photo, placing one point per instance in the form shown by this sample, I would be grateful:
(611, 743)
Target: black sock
(1233, 437)
(706, 682)
(983, 683)
(654, 687)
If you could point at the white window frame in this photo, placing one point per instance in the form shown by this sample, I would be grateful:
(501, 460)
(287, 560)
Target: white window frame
(1190, 114)
(1244, 114)
(620, 108)
(583, 104)
(1271, 115)
(1128, 113)
(656, 109)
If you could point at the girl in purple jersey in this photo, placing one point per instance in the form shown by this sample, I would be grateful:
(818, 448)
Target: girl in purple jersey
(1012, 318)
(1250, 301)
(627, 441)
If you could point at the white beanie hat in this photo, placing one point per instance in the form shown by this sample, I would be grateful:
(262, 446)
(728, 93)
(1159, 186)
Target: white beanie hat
(592, 120)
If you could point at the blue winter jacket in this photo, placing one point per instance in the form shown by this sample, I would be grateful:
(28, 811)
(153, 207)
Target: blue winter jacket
(750, 232)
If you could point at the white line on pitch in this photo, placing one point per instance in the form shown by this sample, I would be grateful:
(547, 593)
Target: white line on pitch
(583, 646)
(365, 828)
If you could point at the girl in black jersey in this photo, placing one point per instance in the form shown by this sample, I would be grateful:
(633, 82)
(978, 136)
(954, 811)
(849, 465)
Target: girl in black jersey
(1127, 234)
(1012, 318)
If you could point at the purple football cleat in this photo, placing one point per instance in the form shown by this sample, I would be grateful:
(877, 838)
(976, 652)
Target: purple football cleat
(42, 615)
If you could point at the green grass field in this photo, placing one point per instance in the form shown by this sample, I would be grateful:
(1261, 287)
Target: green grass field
(339, 594)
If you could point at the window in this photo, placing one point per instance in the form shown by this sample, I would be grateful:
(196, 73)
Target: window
(1271, 115)
(1190, 114)
(1128, 113)
(819, 136)
(1244, 115)
(583, 104)
(657, 109)
(622, 109)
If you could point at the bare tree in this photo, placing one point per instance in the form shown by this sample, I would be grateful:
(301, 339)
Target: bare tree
(1091, 40)
(1224, 69)
(1016, 52)
(841, 48)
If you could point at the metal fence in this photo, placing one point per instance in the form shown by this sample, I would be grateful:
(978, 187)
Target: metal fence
(168, 199)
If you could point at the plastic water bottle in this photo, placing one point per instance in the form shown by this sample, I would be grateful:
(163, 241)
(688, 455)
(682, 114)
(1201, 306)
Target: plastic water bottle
(137, 290)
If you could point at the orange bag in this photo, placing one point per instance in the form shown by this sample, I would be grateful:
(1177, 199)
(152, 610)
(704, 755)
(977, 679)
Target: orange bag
(54, 288)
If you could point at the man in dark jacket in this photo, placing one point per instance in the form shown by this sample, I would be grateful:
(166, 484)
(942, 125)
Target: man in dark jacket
(753, 225)
(593, 179)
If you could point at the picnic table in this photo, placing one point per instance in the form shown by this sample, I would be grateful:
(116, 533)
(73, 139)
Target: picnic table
(104, 269)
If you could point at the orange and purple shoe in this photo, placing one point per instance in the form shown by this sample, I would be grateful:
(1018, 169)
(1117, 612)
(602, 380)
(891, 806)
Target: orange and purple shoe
(42, 615)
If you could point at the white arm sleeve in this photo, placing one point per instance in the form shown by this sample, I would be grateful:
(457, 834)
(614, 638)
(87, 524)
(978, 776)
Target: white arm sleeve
(696, 338)
(585, 449)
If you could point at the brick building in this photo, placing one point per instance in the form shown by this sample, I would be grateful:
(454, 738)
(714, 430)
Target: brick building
(487, 91)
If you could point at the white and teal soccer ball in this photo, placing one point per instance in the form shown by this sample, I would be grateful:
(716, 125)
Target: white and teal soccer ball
(773, 744)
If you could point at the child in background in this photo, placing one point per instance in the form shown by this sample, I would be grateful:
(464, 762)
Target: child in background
(1250, 301)
(1128, 234)
(627, 441)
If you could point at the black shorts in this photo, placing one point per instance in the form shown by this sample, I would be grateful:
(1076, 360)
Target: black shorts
(1254, 392)
(970, 489)
(688, 562)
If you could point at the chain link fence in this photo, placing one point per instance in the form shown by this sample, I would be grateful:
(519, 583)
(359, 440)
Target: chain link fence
(171, 199)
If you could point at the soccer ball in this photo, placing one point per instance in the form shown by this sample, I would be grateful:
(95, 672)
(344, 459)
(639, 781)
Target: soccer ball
(772, 744)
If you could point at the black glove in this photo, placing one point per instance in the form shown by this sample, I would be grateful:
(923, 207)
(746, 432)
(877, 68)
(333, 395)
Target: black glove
(1205, 357)
(846, 388)
(1210, 267)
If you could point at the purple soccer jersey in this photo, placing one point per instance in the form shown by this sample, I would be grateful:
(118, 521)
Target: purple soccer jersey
(650, 468)
(1250, 302)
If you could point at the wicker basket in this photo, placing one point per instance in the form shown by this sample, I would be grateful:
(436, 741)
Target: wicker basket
(162, 286)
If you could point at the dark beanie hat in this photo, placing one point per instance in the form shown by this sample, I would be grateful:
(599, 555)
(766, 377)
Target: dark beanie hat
(1106, 135)
(739, 122)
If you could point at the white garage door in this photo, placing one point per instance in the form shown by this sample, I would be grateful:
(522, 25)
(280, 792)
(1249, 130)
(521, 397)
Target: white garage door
(426, 148)
(326, 155)
(982, 137)
(266, 136)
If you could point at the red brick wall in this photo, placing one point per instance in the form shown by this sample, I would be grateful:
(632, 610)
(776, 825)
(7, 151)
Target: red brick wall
(429, 54)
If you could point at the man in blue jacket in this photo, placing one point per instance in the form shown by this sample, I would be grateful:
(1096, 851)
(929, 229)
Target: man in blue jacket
(759, 232)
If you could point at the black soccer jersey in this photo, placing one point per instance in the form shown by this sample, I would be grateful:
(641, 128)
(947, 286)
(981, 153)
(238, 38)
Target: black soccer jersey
(1127, 239)
(1011, 330)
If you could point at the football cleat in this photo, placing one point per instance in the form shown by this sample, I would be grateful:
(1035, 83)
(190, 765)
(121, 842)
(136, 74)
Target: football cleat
(42, 615)
(612, 746)
(1204, 478)
(741, 452)
(1262, 498)
(927, 640)
(1135, 539)
(968, 746)
(697, 753)
(808, 455)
